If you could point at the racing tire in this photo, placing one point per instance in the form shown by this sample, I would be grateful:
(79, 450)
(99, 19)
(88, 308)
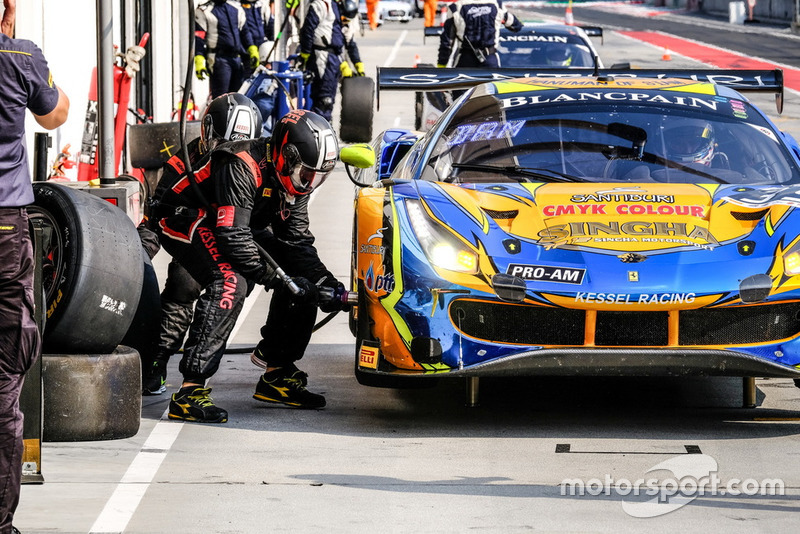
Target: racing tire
(91, 397)
(358, 97)
(146, 325)
(91, 269)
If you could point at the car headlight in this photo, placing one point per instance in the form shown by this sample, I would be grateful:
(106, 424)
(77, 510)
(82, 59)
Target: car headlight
(441, 247)
(791, 262)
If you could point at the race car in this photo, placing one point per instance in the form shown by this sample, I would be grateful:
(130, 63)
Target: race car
(389, 10)
(591, 222)
(537, 44)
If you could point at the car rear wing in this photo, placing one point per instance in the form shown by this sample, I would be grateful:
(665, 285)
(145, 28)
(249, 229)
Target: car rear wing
(436, 79)
(591, 31)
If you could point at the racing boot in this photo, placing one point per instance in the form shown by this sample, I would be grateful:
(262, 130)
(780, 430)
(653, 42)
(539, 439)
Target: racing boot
(193, 403)
(155, 378)
(287, 385)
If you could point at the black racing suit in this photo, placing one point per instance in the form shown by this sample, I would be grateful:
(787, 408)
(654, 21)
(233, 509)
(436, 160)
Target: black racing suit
(210, 228)
(180, 289)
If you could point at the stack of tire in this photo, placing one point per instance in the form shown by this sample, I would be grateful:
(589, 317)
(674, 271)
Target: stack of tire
(93, 274)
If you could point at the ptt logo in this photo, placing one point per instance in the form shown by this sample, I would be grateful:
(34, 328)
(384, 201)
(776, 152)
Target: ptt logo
(381, 282)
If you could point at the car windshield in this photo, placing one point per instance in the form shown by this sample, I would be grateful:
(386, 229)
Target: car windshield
(527, 137)
(543, 50)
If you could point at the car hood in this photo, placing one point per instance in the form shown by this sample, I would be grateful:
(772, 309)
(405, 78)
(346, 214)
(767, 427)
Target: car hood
(633, 239)
(603, 216)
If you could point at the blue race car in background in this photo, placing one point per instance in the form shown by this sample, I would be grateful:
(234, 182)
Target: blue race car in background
(537, 44)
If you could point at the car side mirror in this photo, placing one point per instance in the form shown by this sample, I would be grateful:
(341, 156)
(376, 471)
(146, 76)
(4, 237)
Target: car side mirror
(358, 156)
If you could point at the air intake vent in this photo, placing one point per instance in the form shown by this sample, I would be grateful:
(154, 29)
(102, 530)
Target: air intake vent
(749, 215)
(506, 214)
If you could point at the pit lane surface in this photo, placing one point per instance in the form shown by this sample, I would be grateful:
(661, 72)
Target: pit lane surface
(421, 461)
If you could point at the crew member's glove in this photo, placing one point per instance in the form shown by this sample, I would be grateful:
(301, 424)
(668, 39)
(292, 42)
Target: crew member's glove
(309, 293)
(344, 66)
(200, 68)
(303, 61)
(360, 68)
(441, 66)
(133, 55)
(332, 295)
(255, 59)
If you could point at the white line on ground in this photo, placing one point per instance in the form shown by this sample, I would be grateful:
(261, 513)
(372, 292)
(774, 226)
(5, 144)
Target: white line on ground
(129, 492)
(395, 48)
(391, 58)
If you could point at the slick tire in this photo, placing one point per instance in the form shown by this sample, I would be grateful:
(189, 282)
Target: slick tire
(92, 269)
(358, 97)
(91, 397)
(144, 330)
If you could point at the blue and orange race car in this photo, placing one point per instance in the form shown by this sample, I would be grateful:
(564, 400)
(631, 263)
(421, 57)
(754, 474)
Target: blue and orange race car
(598, 223)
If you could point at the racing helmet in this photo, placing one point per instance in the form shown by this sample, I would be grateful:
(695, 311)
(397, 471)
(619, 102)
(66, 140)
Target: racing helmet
(348, 8)
(229, 117)
(558, 56)
(304, 151)
(690, 141)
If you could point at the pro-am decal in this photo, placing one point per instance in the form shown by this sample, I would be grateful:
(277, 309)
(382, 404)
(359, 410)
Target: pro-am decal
(547, 273)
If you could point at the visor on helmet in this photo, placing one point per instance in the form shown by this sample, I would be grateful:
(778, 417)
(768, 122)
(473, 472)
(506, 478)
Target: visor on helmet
(305, 179)
(300, 178)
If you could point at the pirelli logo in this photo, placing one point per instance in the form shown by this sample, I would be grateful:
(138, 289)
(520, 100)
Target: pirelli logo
(368, 357)
(547, 273)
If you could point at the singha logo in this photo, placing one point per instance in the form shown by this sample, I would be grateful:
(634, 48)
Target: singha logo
(631, 257)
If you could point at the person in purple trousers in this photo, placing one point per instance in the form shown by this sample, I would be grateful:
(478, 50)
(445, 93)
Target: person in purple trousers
(25, 83)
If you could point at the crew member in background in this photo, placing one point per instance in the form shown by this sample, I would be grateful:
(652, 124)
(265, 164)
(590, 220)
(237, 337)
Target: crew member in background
(229, 117)
(322, 43)
(221, 38)
(372, 13)
(349, 11)
(25, 83)
(429, 10)
(475, 24)
(260, 24)
(254, 187)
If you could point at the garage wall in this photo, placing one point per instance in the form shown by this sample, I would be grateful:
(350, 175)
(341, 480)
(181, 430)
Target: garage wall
(65, 31)
(780, 11)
